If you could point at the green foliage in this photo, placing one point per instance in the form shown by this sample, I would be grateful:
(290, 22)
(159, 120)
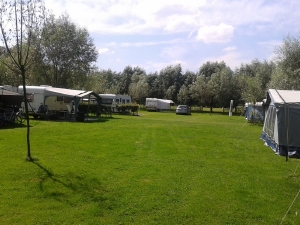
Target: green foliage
(254, 80)
(288, 64)
(67, 53)
(138, 89)
(157, 168)
(127, 108)
(183, 95)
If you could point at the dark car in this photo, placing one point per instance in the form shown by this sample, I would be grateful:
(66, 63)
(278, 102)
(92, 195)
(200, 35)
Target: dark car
(183, 109)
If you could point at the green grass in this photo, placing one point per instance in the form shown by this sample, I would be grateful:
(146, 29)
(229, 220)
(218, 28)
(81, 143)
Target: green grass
(156, 168)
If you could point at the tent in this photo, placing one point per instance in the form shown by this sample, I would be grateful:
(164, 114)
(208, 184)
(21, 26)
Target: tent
(10, 98)
(254, 112)
(281, 130)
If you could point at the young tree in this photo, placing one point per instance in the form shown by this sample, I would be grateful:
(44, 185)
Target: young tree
(21, 23)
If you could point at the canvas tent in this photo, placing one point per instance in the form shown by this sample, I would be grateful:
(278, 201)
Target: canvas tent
(254, 112)
(281, 130)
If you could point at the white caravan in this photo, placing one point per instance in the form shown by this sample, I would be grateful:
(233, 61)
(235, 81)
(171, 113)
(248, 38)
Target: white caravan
(56, 99)
(114, 100)
(35, 97)
(155, 104)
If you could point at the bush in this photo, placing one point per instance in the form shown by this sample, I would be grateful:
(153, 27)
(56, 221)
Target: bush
(127, 108)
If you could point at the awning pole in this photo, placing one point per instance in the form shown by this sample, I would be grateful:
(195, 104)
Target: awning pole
(287, 123)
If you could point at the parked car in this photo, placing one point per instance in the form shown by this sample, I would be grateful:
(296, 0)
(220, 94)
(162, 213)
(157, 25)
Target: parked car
(183, 109)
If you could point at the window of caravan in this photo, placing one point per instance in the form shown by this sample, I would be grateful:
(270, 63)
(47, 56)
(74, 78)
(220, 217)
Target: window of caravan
(127, 101)
(59, 99)
(67, 99)
(117, 101)
(123, 101)
(107, 101)
(30, 97)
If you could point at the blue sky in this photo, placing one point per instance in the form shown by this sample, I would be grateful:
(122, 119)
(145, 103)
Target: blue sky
(154, 34)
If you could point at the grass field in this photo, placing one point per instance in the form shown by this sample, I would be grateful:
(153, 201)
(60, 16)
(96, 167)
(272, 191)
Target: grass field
(156, 168)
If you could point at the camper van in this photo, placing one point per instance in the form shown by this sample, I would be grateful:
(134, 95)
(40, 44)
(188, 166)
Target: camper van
(155, 104)
(114, 100)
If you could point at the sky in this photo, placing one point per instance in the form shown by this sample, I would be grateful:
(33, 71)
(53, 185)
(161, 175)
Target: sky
(154, 34)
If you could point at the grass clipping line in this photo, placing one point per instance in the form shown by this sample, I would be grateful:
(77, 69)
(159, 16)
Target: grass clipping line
(292, 201)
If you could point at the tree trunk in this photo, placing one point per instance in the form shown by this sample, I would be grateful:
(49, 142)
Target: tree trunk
(23, 71)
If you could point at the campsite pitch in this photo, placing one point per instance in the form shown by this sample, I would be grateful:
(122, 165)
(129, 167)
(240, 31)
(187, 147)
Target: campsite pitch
(157, 168)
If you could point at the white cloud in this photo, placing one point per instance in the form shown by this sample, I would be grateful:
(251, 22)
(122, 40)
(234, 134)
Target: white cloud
(269, 47)
(151, 43)
(215, 34)
(229, 49)
(103, 50)
(232, 59)
(173, 52)
(153, 66)
(173, 16)
(164, 26)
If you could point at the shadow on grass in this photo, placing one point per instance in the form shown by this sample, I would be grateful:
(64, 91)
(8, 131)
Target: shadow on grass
(13, 125)
(217, 113)
(70, 188)
(87, 120)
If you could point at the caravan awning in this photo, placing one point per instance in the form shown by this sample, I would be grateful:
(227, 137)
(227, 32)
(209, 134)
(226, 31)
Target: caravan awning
(88, 94)
(10, 98)
(62, 92)
(280, 97)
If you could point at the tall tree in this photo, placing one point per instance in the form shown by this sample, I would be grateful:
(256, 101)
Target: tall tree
(21, 23)
(183, 96)
(287, 74)
(254, 79)
(211, 81)
(209, 68)
(202, 91)
(170, 81)
(103, 82)
(223, 86)
(152, 80)
(138, 89)
(125, 79)
(67, 53)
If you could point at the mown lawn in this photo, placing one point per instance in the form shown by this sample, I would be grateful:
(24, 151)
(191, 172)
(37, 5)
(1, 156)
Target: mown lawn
(156, 168)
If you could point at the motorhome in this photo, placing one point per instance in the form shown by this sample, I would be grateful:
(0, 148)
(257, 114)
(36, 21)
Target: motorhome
(115, 100)
(155, 104)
